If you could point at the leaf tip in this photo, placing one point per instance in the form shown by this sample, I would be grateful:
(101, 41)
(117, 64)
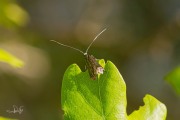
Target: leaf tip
(72, 70)
(158, 106)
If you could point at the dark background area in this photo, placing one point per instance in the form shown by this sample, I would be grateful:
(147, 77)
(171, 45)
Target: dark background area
(142, 39)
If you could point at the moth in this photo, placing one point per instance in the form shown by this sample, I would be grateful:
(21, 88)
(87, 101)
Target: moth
(93, 67)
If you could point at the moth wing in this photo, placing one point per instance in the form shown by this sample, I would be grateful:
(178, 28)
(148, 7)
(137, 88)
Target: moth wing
(91, 66)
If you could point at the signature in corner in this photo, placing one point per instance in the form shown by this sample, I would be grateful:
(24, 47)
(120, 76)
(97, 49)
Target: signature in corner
(16, 109)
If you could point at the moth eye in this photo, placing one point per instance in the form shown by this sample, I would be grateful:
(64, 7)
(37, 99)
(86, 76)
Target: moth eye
(100, 70)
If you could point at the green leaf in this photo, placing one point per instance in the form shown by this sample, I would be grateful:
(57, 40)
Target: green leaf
(87, 99)
(152, 110)
(10, 59)
(173, 78)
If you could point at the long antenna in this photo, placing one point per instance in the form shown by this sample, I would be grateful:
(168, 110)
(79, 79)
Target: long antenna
(68, 46)
(94, 40)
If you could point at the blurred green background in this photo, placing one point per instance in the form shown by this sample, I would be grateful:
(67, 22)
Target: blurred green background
(142, 39)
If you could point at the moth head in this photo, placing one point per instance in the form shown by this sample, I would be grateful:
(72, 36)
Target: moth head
(99, 70)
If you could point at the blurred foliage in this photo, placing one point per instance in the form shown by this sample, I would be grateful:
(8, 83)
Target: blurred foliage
(3, 118)
(10, 59)
(104, 98)
(11, 14)
(173, 78)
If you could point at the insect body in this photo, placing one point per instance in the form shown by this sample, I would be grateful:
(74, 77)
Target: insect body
(93, 67)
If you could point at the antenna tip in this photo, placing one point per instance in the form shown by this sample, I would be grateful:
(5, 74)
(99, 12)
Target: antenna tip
(104, 29)
(54, 41)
